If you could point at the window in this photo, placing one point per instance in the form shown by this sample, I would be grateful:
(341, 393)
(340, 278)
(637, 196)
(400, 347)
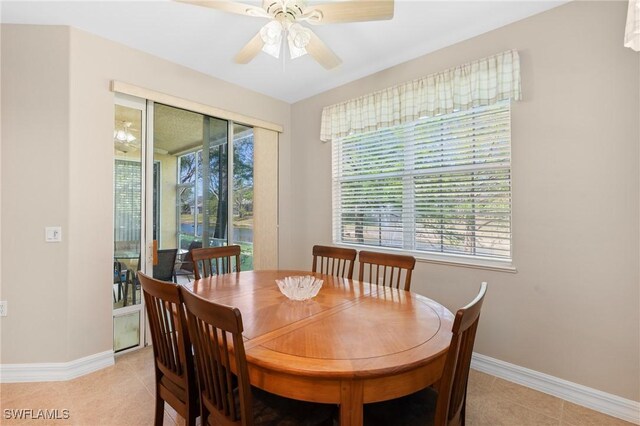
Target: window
(437, 185)
(127, 186)
(202, 198)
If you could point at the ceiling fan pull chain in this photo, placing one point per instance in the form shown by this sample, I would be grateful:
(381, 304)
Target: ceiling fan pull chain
(285, 37)
(284, 55)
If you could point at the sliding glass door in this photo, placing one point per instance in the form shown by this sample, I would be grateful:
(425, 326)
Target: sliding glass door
(181, 180)
(128, 221)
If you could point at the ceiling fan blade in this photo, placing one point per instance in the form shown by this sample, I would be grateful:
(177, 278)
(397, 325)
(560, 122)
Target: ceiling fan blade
(321, 52)
(250, 50)
(350, 11)
(229, 6)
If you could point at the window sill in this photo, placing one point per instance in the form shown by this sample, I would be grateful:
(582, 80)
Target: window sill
(444, 259)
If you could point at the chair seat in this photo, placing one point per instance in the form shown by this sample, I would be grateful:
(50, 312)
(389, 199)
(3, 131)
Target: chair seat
(271, 410)
(415, 409)
(274, 410)
(174, 388)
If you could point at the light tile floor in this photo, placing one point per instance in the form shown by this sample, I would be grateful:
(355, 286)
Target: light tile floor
(124, 395)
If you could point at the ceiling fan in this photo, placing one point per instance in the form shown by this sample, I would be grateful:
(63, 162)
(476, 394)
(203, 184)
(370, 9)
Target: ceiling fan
(285, 18)
(124, 139)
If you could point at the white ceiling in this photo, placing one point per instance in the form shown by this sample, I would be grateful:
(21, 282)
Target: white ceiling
(207, 40)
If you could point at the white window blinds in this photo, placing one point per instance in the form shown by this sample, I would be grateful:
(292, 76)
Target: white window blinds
(436, 185)
(127, 203)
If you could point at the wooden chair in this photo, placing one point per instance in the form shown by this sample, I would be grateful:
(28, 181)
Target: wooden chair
(446, 407)
(227, 397)
(215, 260)
(386, 269)
(334, 261)
(175, 375)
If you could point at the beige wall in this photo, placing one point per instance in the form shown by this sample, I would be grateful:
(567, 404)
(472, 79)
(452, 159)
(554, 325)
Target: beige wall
(35, 175)
(572, 310)
(57, 153)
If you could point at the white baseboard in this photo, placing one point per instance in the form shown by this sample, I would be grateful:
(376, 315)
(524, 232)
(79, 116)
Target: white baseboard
(55, 371)
(594, 399)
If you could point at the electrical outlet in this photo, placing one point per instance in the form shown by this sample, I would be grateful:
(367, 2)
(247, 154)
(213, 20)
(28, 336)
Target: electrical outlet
(3, 308)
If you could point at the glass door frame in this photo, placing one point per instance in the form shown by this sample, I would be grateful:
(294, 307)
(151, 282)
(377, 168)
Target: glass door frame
(147, 190)
(141, 105)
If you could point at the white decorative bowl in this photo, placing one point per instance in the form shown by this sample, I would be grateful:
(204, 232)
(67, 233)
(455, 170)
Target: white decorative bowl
(299, 288)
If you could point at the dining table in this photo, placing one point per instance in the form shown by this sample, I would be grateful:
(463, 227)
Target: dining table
(354, 343)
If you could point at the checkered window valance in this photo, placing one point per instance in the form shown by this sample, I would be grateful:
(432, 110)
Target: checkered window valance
(479, 83)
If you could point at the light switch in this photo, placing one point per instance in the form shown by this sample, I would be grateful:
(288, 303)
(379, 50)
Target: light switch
(53, 234)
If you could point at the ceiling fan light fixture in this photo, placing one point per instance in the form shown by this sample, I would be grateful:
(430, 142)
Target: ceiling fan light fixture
(298, 38)
(123, 134)
(296, 52)
(271, 35)
(124, 140)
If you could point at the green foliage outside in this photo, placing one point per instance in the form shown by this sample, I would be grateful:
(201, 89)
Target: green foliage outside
(213, 201)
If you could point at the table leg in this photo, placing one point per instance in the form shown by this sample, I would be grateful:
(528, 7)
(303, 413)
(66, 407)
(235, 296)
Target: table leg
(351, 397)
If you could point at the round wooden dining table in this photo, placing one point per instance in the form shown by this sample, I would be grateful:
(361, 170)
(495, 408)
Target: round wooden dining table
(352, 344)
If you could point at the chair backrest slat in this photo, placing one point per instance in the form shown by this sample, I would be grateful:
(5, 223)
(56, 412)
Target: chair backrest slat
(210, 261)
(386, 269)
(452, 389)
(334, 261)
(216, 333)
